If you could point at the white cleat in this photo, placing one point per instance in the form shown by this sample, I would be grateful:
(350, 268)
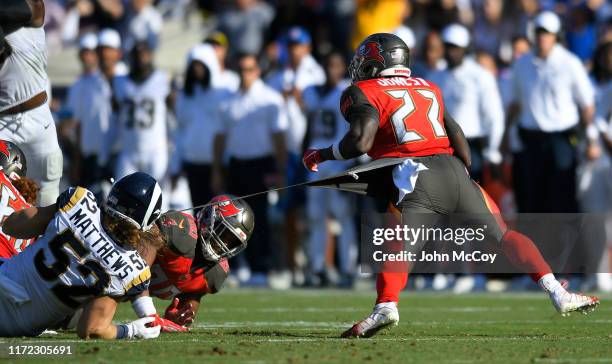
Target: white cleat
(568, 302)
(384, 315)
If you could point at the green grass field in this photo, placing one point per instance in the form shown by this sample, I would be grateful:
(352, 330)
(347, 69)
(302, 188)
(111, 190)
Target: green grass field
(262, 326)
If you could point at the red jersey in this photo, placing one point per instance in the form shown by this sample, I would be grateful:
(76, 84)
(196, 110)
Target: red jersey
(410, 113)
(10, 201)
(170, 273)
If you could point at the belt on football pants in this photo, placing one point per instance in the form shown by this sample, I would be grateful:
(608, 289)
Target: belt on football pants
(31, 103)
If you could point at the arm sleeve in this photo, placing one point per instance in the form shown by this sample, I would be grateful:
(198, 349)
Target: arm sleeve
(491, 112)
(354, 104)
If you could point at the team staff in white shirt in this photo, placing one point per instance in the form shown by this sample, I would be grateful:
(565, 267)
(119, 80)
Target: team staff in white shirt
(551, 93)
(89, 108)
(253, 136)
(227, 78)
(199, 120)
(472, 97)
(25, 118)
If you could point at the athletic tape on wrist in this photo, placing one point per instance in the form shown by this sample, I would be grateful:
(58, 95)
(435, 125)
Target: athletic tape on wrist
(143, 306)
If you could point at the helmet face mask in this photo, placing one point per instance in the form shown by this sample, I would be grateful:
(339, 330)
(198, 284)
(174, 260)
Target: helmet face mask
(12, 160)
(224, 228)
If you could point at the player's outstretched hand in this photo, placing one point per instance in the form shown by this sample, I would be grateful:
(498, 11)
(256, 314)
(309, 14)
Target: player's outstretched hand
(181, 314)
(143, 328)
(167, 326)
(311, 159)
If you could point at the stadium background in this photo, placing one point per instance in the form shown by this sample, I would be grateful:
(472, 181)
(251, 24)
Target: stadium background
(495, 25)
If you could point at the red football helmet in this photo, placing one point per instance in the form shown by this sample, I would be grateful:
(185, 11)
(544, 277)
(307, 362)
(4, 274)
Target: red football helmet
(224, 227)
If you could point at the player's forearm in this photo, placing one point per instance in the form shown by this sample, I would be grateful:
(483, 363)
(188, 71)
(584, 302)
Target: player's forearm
(28, 223)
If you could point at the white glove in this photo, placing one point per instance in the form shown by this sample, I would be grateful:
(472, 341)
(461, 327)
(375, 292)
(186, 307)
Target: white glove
(139, 330)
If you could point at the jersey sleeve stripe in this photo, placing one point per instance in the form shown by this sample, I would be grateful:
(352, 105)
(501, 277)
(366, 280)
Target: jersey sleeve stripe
(74, 199)
(141, 279)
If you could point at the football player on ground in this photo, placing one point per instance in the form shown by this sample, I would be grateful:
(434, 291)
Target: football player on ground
(393, 115)
(25, 117)
(17, 192)
(87, 256)
(194, 261)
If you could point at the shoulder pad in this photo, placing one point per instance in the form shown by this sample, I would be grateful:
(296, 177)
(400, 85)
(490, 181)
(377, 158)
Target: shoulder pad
(180, 231)
(69, 198)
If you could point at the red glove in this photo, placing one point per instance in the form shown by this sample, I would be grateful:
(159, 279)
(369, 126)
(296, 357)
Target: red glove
(166, 325)
(311, 158)
(182, 315)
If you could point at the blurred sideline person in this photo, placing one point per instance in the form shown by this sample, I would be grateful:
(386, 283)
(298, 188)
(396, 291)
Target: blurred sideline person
(301, 72)
(17, 192)
(90, 108)
(472, 97)
(193, 262)
(326, 126)
(227, 78)
(25, 118)
(551, 94)
(434, 182)
(199, 120)
(87, 255)
(253, 138)
(111, 67)
(142, 125)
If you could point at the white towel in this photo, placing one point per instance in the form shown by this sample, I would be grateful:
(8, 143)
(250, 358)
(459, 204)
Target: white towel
(405, 176)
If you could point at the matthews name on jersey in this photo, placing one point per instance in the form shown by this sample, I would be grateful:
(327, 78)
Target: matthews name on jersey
(72, 263)
(171, 272)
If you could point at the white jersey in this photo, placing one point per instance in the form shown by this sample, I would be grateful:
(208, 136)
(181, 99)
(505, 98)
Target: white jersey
(23, 74)
(142, 115)
(326, 125)
(72, 263)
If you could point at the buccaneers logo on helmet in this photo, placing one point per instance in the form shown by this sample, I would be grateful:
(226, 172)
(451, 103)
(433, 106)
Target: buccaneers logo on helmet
(371, 51)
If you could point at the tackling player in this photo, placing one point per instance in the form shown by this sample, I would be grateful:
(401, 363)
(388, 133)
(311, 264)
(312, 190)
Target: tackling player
(87, 255)
(393, 115)
(194, 261)
(17, 192)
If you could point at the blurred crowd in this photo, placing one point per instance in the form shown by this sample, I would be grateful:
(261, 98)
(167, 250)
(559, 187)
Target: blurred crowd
(264, 84)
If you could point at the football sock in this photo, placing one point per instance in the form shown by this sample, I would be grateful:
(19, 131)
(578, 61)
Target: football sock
(523, 254)
(389, 285)
(550, 284)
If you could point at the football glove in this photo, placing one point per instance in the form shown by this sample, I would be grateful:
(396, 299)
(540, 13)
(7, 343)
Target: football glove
(167, 326)
(311, 159)
(141, 329)
(181, 314)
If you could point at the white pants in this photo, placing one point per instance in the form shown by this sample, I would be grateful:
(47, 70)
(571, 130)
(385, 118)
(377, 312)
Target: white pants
(322, 203)
(34, 132)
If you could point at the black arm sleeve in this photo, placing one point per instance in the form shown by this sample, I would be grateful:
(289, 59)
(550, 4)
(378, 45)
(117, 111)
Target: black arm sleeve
(15, 13)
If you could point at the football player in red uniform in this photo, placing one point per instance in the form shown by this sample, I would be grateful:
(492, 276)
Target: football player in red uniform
(17, 192)
(393, 115)
(194, 262)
